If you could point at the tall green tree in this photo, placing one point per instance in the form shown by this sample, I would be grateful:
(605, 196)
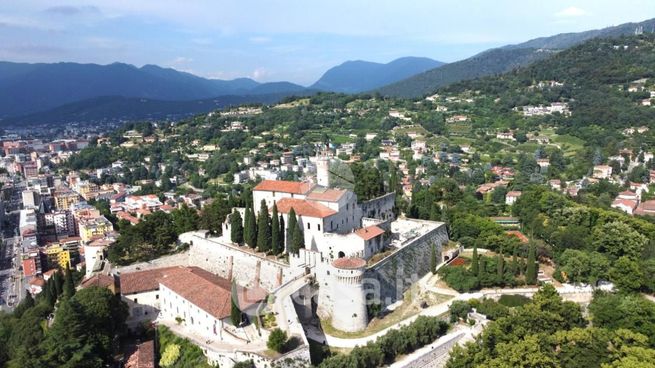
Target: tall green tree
(276, 235)
(298, 239)
(291, 228)
(250, 228)
(475, 266)
(214, 214)
(283, 235)
(69, 285)
(185, 219)
(236, 228)
(626, 274)
(68, 342)
(531, 271)
(263, 228)
(500, 263)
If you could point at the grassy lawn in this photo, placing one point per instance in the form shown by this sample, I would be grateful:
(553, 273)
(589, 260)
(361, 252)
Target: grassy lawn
(462, 140)
(410, 307)
(569, 144)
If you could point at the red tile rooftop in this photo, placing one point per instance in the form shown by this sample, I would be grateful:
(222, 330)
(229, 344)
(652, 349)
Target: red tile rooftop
(283, 186)
(522, 238)
(326, 194)
(142, 281)
(625, 202)
(348, 263)
(98, 280)
(143, 356)
(304, 208)
(209, 292)
(370, 232)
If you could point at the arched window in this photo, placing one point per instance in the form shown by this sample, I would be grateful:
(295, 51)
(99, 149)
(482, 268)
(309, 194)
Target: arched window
(341, 254)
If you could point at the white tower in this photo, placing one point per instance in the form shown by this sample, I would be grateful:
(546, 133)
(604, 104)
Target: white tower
(349, 309)
(323, 171)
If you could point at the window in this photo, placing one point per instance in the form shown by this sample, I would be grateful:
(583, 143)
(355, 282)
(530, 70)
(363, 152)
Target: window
(136, 301)
(157, 296)
(308, 226)
(319, 227)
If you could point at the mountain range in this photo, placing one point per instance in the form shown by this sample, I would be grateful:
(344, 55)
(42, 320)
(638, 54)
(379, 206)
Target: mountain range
(63, 92)
(503, 59)
(360, 76)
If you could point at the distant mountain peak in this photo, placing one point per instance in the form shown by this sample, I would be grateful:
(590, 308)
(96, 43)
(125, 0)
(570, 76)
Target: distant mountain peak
(355, 76)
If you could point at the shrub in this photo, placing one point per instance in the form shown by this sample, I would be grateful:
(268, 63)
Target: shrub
(277, 340)
(170, 356)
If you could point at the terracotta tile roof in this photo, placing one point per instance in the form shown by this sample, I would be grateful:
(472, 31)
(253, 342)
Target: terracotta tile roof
(143, 356)
(37, 281)
(646, 208)
(514, 193)
(98, 280)
(209, 292)
(370, 232)
(304, 208)
(348, 263)
(625, 202)
(283, 186)
(519, 235)
(142, 281)
(50, 272)
(326, 194)
(628, 193)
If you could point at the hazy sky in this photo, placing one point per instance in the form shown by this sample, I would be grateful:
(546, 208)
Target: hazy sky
(286, 40)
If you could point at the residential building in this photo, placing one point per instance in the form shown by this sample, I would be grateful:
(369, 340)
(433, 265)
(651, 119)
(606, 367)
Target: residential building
(92, 228)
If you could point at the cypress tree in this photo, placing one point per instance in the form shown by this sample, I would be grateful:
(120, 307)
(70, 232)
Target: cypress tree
(236, 228)
(501, 266)
(58, 282)
(291, 227)
(49, 293)
(433, 261)
(275, 230)
(250, 231)
(475, 266)
(515, 263)
(483, 277)
(298, 239)
(531, 272)
(264, 228)
(282, 236)
(69, 285)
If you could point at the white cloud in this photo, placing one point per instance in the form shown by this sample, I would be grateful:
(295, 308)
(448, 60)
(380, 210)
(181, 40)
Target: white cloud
(570, 12)
(181, 60)
(259, 39)
(259, 74)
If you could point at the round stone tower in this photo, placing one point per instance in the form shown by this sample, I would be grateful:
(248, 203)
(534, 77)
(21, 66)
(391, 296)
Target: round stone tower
(323, 171)
(349, 301)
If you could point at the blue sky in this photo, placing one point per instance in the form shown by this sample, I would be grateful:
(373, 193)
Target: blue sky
(294, 40)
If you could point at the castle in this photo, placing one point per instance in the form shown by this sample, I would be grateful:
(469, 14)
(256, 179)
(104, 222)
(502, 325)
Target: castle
(357, 252)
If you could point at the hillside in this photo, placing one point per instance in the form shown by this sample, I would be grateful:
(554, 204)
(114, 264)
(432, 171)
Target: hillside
(502, 60)
(118, 108)
(359, 76)
(490, 62)
(30, 88)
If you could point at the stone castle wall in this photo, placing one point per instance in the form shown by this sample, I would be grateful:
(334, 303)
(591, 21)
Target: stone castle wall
(391, 277)
(246, 268)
